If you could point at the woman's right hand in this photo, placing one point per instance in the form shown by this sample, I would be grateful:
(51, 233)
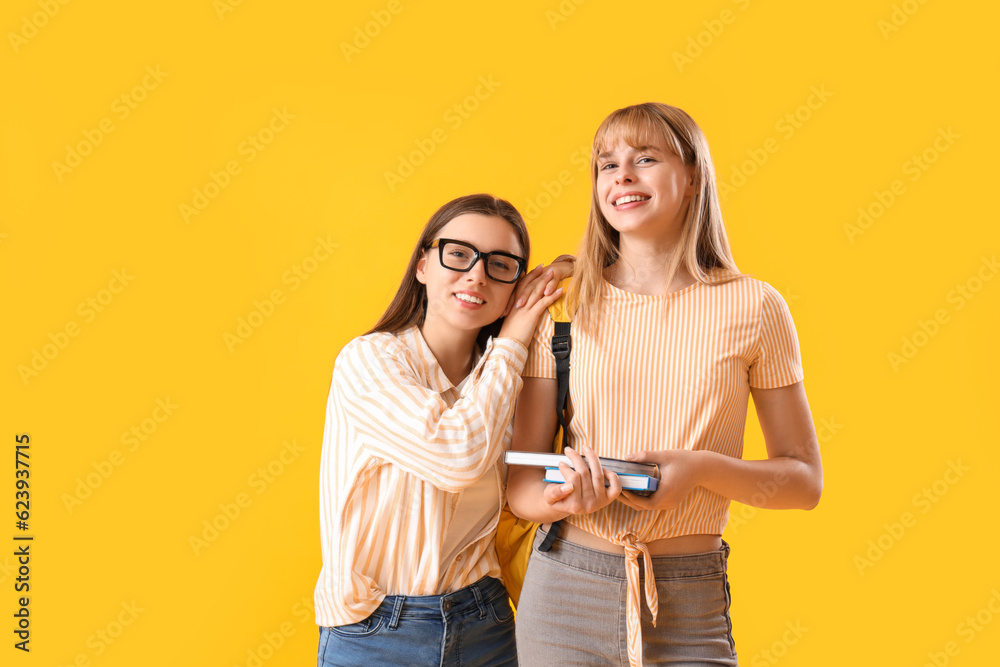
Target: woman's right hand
(584, 490)
(522, 320)
(543, 279)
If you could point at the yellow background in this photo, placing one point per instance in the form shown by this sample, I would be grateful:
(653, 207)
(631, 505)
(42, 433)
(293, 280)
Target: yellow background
(884, 79)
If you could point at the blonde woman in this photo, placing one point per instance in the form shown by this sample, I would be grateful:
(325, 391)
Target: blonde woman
(669, 342)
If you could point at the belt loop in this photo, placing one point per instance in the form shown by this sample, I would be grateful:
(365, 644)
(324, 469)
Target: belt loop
(397, 609)
(479, 601)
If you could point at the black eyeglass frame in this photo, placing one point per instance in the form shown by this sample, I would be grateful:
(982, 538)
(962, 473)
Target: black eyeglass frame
(485, 256)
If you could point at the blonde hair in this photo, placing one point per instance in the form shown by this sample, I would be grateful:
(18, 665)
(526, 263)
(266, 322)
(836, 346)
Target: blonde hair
(703, 247)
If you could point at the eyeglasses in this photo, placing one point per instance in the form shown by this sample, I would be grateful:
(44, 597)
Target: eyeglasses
(460, 256)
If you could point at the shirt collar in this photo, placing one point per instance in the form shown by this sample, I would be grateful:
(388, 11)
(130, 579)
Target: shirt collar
(427, 363)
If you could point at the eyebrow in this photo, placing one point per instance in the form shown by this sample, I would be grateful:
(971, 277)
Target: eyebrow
(639, 149)
(506, 252)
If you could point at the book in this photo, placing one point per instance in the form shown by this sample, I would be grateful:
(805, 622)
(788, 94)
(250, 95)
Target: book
(640, 478)
(640, 485)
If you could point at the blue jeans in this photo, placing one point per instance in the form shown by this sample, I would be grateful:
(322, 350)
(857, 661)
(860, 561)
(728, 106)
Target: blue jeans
(472, 627)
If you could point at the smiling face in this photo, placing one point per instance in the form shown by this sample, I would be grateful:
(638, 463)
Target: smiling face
(644, 191)
(466, 301)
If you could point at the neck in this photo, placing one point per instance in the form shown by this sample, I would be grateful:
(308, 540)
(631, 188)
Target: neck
(643, 266)
(454, 350)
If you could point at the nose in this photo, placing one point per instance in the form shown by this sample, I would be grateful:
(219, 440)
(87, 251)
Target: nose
(624, 174)
(477, 273)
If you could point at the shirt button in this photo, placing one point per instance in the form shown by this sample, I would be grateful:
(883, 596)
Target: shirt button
(459, 558)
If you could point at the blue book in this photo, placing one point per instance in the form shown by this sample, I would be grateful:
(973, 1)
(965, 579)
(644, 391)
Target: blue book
(639, 478)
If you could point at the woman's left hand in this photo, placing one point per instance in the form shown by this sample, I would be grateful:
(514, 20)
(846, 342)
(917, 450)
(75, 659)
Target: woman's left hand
(541, 281)
(680, 472)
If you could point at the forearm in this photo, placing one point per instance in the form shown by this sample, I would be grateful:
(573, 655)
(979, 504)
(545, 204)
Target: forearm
(529, 496)
(525, 496)
(403, 422)
(534, 428)
(781, 482)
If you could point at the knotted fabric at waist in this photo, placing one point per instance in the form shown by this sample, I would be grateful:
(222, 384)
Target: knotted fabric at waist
(627, 544)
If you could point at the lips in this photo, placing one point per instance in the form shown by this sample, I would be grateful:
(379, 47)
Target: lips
(470, 298)
(628, 198)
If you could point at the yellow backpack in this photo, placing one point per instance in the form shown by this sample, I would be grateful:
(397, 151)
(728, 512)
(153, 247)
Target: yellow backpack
(515, 536)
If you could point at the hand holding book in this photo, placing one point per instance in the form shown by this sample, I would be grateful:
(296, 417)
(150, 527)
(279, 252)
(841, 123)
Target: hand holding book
(681, 470)
(639, 478)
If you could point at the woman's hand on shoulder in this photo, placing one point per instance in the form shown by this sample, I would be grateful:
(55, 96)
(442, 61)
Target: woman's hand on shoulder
(522, 320)
(679, 474)
(584, 490)
(542, 280)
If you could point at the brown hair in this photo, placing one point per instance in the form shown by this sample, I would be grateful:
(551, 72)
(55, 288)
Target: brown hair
(703, 248)
(409, 306)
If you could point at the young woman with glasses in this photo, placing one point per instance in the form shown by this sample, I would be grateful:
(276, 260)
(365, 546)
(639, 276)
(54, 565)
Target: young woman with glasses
(411, 483)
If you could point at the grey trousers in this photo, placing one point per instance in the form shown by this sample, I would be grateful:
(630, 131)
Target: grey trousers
(573, 605)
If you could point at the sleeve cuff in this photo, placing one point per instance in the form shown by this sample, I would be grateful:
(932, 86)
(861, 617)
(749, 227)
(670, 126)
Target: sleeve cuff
(507, 349)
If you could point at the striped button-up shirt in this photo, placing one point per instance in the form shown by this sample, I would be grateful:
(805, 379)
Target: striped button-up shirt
(401, 444)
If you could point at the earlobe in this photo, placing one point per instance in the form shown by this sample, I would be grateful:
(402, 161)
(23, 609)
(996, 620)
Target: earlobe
(421, 274)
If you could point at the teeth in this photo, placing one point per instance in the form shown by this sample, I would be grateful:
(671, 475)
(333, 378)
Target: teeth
(469, 298)
(628, 198)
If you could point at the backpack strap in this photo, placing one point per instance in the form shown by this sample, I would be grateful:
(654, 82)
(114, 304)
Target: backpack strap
(562, 345)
